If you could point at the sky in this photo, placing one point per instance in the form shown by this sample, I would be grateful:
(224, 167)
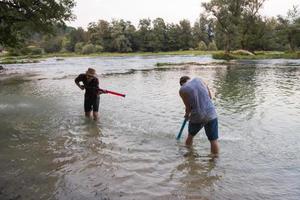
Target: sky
(172, 11)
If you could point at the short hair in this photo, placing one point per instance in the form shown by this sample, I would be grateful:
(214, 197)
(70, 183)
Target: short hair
(183, 79)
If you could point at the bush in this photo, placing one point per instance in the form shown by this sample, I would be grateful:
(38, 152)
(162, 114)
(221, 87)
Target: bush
(242, 52)
(212, 46)
(223, 56)
(98, 48)
(35, 50)
(202, 46)
(67, 45)
(14, 52)
(88, 49)
(78, 47)
(52, 45)
(64, 50)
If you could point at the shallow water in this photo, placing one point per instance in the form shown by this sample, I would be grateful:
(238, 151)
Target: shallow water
(48, 150)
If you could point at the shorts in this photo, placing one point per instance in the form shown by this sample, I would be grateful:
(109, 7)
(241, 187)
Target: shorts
(211, 129)
(91, 103)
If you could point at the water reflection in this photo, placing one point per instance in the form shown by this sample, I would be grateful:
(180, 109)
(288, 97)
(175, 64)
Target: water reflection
(198, 175)
(235, 88)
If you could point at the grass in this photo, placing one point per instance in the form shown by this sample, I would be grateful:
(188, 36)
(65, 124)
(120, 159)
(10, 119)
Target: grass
(187, 63)
(4, 59)
(258, 55)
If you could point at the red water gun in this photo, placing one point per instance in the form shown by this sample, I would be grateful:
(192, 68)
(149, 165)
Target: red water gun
(112, 92)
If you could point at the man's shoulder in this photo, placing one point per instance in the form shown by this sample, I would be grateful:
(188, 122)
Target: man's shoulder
(96, 79)
(197, 79)
(80, 77)
(185, 88)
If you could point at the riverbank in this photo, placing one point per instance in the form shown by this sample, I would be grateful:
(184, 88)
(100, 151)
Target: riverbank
(4, 59)
(218, 55)
(242, 55)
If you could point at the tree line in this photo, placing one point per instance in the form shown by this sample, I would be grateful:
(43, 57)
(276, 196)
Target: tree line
(224, 25)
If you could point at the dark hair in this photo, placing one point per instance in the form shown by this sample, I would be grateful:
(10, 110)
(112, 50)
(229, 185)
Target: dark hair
(184, 79)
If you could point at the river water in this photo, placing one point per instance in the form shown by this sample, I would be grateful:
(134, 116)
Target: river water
(48, 150)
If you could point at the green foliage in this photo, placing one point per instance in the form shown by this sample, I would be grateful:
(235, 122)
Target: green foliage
(18, 19)
(202, 30)
(173, 37)
(35, 50)
(242, 52)
(234, 19)
(78, 47)
(52, 44)
(88, 49)
(30, 50)
(212, 46)
(67, 45)
(160, 35)
(185, 35)
(202, 46)
(223, 56)
(98, 48)
(289, 28)
(226, 25)
(120, 36)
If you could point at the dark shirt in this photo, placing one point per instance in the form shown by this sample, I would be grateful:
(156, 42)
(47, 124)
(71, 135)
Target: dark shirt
(91, 87)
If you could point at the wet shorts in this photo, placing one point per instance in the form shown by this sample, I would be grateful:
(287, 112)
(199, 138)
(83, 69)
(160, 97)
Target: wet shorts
(211, 129)
(91, 103)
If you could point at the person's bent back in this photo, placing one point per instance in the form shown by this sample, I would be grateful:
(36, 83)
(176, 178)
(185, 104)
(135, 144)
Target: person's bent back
(199, 109)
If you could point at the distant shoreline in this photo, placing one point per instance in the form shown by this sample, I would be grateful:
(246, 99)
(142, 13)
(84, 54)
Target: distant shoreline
(218, 55)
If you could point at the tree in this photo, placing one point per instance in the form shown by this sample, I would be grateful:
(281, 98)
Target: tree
(145, 35)
(100, 34)
(227, 14)
(185, 35)
(160, 35)
(20, 18)
(201, 30)
(75, 36)
(120, 42)
(251, 24)
(290, 27)
(52, 44)
(173, 37)
(237, 21)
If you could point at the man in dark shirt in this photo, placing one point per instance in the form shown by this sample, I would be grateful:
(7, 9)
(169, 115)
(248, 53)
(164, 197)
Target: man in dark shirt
(92, 92)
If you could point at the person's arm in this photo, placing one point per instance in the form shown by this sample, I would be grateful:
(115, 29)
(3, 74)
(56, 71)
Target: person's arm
(209, 93)
(77, 80)
(185, 100)
(99, 90)
(208, 90)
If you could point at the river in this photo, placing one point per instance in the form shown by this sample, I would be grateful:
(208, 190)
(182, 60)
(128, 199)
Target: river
(48, 150)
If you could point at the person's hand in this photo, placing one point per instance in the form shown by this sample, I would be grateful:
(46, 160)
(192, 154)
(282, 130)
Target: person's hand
(81, 87)
(101, 91)
(187, 116)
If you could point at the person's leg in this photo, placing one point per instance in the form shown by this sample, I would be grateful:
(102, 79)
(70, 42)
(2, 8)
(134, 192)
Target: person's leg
(96, 108)
(211, 130)
(95, 116)
(193, 130)
(88, 114)
(189, 140)
(214, 147)
(87, 107)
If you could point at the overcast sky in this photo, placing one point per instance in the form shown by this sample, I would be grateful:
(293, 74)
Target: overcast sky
(170, 10)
